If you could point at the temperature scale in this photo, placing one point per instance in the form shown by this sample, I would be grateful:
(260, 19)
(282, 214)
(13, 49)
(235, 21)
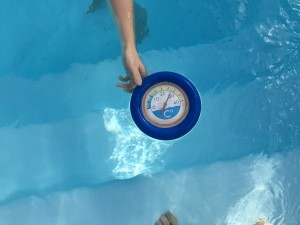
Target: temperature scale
(166, 106)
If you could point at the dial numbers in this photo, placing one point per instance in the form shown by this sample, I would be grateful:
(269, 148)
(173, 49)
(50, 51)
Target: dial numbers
(165, 104)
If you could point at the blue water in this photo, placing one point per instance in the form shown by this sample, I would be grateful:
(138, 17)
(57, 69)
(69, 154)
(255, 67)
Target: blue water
(70, 153)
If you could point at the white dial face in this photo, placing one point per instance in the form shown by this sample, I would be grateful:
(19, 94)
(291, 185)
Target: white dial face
(165, 104)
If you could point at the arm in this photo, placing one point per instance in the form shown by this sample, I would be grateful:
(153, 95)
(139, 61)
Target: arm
(123, 11)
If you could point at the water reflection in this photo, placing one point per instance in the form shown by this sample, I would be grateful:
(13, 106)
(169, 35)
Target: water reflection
(134, 152)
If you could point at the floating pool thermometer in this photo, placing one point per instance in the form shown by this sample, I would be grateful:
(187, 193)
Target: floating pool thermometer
(166, 106)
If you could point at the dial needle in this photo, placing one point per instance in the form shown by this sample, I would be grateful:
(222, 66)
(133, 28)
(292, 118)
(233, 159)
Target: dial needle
(165, 103)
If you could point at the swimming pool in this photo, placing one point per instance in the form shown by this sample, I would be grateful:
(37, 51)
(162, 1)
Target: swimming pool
(70, 153)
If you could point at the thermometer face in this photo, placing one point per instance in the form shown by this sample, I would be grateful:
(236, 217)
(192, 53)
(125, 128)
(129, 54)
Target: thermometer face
(165, 104)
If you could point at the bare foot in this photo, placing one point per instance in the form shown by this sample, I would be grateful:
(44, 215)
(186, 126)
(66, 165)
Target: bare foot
(261, 221)
(167, 219)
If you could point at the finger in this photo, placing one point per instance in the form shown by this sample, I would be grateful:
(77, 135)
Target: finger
(164, 220)
(132, 84)
(121, 85)
(137, 78)
(142, 71)
(128, 90)
(124, 79)
(125, 87)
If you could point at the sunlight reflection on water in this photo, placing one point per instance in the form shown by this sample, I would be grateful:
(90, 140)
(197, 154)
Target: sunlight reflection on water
(134, 152)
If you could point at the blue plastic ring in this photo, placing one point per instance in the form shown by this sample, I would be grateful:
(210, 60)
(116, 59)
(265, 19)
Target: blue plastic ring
(171, 132)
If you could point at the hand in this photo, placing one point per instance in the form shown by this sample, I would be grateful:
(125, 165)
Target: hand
(134, 68)
(167, 219)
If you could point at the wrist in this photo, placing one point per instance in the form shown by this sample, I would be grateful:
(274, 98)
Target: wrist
(129, 46)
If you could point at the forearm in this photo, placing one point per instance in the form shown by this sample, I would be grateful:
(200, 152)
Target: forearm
(123, 11)
(135, 70)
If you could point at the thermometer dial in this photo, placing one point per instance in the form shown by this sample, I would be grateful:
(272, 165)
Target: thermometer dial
(165, 104)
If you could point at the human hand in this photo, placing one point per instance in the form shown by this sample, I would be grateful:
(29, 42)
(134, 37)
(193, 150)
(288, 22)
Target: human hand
(167, 219)
(134, 68)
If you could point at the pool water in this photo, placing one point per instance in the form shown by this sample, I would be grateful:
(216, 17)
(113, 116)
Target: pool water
(71, 154)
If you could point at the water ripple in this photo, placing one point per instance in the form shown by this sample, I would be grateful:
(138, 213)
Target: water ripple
(134, 152)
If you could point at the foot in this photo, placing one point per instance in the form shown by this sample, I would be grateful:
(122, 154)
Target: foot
(167, 219)
(261, 222)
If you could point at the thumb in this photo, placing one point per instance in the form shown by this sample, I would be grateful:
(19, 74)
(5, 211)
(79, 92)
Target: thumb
(137, 77)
